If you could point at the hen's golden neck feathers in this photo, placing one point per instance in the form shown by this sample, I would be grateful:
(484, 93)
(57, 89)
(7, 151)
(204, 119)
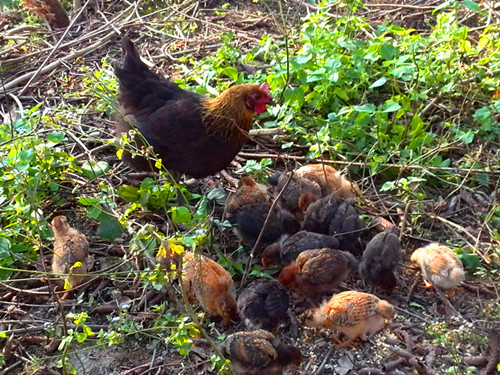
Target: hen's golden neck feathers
(228, 116)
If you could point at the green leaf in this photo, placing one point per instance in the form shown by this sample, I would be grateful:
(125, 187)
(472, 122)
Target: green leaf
(56, 137)
(5, 246)
(181, 215)
(341, 93)
(470, 260)
(365, 108)
(94, 170)
(471, 5)
(378, 83)
(218, 195)
(88, 201)
(230, 72)
(303, 59)
(129, 193)
(390, 106)
(387, 52)
(26, 155)
(109, 227)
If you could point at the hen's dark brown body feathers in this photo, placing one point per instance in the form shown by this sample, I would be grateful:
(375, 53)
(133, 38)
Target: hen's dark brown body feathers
(259, 353)
(192, 134)
(263, 305)
(381, 256)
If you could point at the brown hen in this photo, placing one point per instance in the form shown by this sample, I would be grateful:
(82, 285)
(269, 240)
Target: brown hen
(259, 353)
(70, 252)
(355, 314)
(319, 271)
(191, 133)
(209, 283)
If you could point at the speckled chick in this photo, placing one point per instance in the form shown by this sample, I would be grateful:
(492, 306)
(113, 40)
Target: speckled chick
(285, 253)
(440, 265)
(380, 258)
(330, 180)
(290, 199)
(248, 192)
(263, 305)
(319, 271)
(210, 284)
(355, 314)
(249, 221)
(259, 353)
(70, 246)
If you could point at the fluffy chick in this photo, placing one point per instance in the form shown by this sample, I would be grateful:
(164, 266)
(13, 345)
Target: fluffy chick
(318, 271)
(380, 258)
(355, 314)
(290, 199)
(263, 305)
(333, 216)
(209, 283)
(440, 265)
(329, 180)
(248, 192)
(259, 352)
(70, 246)
(286, 253)
(249, 221)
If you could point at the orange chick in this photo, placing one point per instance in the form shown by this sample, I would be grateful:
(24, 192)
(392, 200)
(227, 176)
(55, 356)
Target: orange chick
(319, 271)
(330, 180)
(285, 253)
(248, 192)
(70, 247)
(440, 265)
(259, 352)
(209, 283)
(290, 199)
(355, 314)
(380, 258)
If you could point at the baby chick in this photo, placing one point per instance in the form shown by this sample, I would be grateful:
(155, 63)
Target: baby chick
(440, 265)
(381, 256)
(352, 313)
(259, 352)
(70, 247)
(249, 221)
(248, 192)
(330, 180)
(290, 199)
(286, 253)
(318, 271)
(263, 304)
(209, 283)
(320, 213)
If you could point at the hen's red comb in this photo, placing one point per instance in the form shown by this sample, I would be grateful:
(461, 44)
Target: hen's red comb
(265, 87)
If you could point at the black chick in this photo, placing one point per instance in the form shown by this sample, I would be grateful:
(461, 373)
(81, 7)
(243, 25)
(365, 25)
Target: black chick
(259, 352)
(249, 221)
(381, 256)
(286, 253)
(263, 305)
(346, 227)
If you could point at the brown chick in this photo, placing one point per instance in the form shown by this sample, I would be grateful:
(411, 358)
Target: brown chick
(191, 133)
(380, 258)
(440, 265)
(209, 283)
(263, 305)
(319, 271)
(249, 221)
(355, 314)
(70, 247)
(248, 192)
(330, 180)
(286, 253)
(290, 199)
(259, 353)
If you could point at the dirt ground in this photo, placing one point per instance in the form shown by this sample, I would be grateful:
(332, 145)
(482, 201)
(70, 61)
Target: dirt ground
(425, 337)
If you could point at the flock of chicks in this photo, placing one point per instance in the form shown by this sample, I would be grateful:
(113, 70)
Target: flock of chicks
(312, 233)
